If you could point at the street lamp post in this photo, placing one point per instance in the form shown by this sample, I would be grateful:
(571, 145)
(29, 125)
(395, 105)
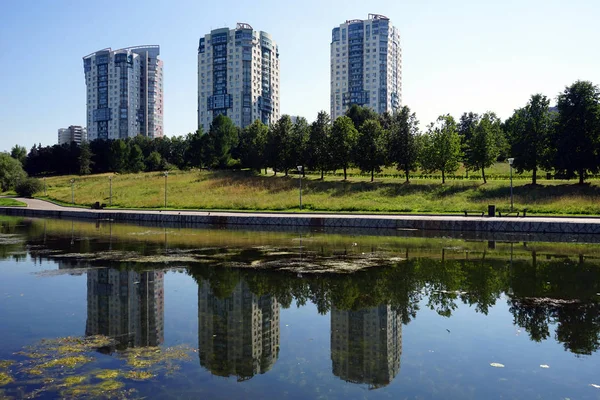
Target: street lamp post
(166, 175)
(110, 191)
(510, 162)
(299, 167)
(72, 191)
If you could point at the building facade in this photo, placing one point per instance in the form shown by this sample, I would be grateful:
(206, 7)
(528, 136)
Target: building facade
(73, 133)
(237, 335)
(238, 76)
(124, 93)
(366, 66)
(366, 345)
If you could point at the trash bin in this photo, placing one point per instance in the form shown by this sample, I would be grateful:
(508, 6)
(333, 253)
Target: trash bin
(491, 210)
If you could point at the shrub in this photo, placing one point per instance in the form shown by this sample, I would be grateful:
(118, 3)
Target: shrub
(28, 187)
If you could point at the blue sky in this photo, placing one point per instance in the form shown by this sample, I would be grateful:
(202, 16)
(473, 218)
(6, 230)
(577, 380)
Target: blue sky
(464, 55)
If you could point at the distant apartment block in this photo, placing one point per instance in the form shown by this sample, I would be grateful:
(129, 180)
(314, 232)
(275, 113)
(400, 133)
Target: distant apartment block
(124, 93)
(366, 66)
(366, 345)
(238, 76)
(73, 133)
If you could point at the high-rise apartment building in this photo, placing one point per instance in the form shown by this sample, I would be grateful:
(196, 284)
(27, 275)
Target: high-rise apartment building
(237, 335)
(238, 76)
(366, 345)
(124, 93)
(366, 65)
(73, 133)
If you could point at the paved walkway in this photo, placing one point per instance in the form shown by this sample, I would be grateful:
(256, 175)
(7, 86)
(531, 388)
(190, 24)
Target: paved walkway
(37, 204)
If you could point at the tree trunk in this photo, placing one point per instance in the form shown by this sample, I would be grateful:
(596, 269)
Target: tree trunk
(274, 172)
(407, 173)
(443, 177)
(466, 173)
(286, 172)
(322, 174)
(372, 174)
(483, 174)
(265, 170)
(345, 173)
(534, 176)
(581, 172)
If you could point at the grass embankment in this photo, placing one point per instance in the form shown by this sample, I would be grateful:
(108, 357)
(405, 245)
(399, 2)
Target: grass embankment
(8, 202)
(241, 190)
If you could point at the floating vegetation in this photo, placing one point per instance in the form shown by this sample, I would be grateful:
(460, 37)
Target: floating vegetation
(5, 378)
(62, 368)
(497, 365)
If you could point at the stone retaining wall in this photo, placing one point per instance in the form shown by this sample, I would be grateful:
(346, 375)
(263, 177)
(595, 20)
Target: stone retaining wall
(306, 221)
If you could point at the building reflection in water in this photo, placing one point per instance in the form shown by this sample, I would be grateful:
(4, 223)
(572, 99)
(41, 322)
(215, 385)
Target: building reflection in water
(127, 306)
(237, 335)
(366, 345)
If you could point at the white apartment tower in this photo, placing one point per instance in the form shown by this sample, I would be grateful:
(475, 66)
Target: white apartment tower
(238, 76)
(124, 93)
(366, 66)
(73, 133)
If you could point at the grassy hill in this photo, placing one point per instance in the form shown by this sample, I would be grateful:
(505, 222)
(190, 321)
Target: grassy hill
(242, 190)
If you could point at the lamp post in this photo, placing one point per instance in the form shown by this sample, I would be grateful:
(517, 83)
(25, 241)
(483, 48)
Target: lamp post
(166, 175)
(299, 167)
(510, 162)
(45, 192)
(72, 191)
(110, 190)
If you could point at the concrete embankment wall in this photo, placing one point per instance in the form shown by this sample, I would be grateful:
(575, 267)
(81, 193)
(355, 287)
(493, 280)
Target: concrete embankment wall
(529, 225)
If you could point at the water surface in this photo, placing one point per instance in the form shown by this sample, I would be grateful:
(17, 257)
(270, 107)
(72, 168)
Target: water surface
(181, 313)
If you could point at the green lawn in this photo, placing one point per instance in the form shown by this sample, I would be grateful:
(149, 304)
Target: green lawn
(8, 202)
(241, 190)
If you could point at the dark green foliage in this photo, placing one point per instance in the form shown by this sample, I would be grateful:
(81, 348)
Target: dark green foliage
(403, 144)
(359, 115)
(217, 144)
(154, 162)
(441, 147)
(528, 131)
(252, 144)
(342, 143)
(119, 156)
(370, 151)
(279, 145)
(85, 159)
(577, 138)
(19, 153)
(299, 142)
(136, 159)
(481, 148)
(28, 187)
(11, 172)
(318, 143)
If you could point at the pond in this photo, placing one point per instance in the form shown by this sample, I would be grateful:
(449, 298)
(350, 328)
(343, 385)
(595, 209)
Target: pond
(105, 310)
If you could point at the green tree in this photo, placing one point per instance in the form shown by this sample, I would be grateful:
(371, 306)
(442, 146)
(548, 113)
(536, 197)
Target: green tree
(342, 142)
(359, 115)
(136, 159)
(279, 144)
(529, 130)
(11, 172)
(85, 159)
(466, 127)
(483, 144)
(369, 152)
(154, 162)
(222, 137)
(19, 153)
(318, 140)
(299, 142)
(441, 147)
(119, 155)
(251, 145)
(578, 130)
(403, 143)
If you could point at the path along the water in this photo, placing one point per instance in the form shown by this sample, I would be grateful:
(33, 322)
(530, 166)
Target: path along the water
(541, 225)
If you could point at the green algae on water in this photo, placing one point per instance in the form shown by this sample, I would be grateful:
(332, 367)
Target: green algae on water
(5, 378)
(106, 374)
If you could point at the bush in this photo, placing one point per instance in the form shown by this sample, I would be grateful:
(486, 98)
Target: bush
(28, 187)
